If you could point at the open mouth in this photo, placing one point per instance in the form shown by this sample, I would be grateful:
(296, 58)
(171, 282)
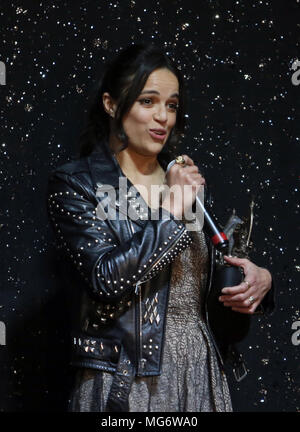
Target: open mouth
(158, 134)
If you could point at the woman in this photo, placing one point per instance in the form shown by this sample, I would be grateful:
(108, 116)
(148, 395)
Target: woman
(138, 277)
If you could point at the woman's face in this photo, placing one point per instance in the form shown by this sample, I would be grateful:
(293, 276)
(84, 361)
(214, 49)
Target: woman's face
(153, 115)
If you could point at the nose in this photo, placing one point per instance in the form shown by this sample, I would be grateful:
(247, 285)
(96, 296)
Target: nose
(161, 114)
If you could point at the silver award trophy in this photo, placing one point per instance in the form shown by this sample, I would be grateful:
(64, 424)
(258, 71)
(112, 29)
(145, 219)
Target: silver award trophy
(229, 326)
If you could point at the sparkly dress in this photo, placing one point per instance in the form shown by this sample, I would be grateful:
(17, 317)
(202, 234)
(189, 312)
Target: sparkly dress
(191, 378)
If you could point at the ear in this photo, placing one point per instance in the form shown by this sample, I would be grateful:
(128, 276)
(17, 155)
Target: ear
(109, 105)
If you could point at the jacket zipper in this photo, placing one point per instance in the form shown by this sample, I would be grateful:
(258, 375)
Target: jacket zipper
(140, 361)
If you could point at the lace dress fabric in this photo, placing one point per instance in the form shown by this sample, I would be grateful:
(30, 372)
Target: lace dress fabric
(192, 378)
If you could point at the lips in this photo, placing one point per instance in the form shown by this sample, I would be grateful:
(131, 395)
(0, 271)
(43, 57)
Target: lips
(158, 134)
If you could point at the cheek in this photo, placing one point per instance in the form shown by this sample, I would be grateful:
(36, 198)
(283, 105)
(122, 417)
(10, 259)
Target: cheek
(142, 116)
(136, 119)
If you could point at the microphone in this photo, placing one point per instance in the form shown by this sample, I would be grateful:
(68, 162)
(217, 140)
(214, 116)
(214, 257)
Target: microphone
(216, 235)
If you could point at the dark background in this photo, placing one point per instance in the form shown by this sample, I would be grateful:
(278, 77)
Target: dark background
(243, 126)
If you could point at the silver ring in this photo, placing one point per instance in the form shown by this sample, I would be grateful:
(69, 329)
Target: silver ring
(251, 299)
(247, 283)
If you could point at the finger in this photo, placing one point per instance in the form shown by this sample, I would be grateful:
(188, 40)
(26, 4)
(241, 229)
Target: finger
(242, 262)
(245, 304)
(241, 305)
(248, 311)
(237, 289)
(191, 169)
(239, 296)
(188, 160)
(195, 178)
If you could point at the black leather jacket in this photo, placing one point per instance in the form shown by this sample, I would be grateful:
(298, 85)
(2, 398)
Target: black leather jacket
(118, 269)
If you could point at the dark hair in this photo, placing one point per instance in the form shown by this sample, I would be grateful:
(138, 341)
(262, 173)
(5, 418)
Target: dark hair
(124, 79)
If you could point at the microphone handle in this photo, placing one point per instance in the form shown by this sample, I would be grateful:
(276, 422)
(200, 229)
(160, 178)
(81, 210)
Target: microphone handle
(217, 236)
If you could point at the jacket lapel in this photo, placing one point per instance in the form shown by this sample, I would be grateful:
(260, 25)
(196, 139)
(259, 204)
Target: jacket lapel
(106, 174)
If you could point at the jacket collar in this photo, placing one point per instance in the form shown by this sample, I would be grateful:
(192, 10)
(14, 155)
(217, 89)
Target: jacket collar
(104, 166)
(105, 170)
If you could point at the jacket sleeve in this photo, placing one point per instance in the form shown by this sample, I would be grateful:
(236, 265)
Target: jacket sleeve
(110, 268)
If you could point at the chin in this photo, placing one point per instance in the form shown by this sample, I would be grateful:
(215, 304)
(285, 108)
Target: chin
(149, 148)
(156, 146)
(154, 149)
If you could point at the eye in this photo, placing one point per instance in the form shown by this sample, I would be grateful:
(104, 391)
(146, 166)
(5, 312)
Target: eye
(145, 101)
(173, 106)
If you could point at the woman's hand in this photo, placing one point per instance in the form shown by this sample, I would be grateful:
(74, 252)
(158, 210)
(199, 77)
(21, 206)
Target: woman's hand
(248, 295)
(185, 182)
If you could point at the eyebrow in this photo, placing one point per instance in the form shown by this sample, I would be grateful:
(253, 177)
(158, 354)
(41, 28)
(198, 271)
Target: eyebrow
(156, 92)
